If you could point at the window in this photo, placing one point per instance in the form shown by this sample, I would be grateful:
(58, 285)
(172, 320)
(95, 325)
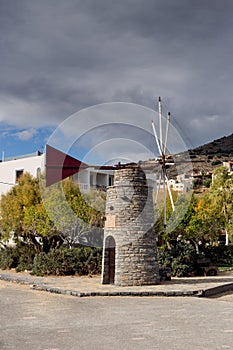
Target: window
(110, 181)
(18, 173)
(91, 180)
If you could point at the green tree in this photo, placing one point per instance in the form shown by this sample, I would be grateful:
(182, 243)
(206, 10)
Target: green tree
(24, 213)
(72, 214)
(14, 204)
(213, 210)
(204, 224)
(221, 196)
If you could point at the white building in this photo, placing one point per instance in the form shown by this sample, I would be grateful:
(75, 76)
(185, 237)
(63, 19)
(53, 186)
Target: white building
(12, 168)
(229, 166)
(91, 178)
(179, 185)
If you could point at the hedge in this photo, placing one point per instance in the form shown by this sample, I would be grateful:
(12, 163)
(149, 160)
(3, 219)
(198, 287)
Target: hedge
(59, 262)
(182, 258)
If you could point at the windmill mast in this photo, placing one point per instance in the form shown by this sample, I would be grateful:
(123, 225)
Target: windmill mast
(162, 151)
(160, 122)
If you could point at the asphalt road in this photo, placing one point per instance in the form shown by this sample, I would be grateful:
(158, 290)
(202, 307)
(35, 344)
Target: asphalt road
(36, 320)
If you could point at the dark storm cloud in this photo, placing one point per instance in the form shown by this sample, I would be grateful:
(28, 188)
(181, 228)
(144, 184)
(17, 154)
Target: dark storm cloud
(60, 56)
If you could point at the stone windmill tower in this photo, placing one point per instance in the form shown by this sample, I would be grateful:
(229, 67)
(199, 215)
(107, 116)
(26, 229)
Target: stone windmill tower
(130, 252)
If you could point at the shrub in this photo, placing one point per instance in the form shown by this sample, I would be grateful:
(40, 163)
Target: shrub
(65, 261)
(220, 255)
(19, 257)
(9, 258)
(207, 182)
(180, 269)
(26, 256)
(164, 257)
(216, 162)
(181, 258)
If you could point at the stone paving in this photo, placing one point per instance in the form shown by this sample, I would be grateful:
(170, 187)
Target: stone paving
(37, 320)
(91, 286)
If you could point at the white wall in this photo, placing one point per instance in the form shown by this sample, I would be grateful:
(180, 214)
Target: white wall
(82, 178)
(92, 178)
(9, 168)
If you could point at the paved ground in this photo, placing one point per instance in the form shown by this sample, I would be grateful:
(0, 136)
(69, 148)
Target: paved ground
(86, 286)
(37, 320)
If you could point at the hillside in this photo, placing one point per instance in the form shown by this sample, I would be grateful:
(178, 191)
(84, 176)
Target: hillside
(211, 155)
(222, 147)
(204, 158)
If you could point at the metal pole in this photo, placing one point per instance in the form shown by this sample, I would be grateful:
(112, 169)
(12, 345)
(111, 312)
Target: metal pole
(156, 138)
(158, 188)
(160, 122)
(227, 238)
(165, 200)
(170, 193)
(167, 129)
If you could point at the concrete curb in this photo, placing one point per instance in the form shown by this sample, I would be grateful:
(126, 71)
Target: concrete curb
(193, 293)
(217, 290)
(116, 294)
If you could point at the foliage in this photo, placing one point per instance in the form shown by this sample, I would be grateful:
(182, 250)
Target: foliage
(65, 218)
(181, 216)
(197, 183)
(159, 213)
(206, 214)
(207, 182)
(181, 258)
(220, 255)
(221, 195)
(19, 257)
(9, 258)
(178, 220)
(216, 162)
(59, 262)
(70, 211)
(23, 214)
(204, 224)
(15, 202)
(63, 261)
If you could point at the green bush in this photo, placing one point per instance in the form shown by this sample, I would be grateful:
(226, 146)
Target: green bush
(220, 255)
(9, 258)
(216, 162)
(181, 258)
(26, 256)
(19, 257)
(207, 182)
(65, 261)
(164, 257)
(181, 269)
(58, 262)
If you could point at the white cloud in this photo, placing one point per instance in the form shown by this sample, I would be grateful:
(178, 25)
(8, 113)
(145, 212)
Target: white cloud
(26, 135)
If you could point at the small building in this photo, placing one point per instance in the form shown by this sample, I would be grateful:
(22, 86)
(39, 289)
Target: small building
(229, 166)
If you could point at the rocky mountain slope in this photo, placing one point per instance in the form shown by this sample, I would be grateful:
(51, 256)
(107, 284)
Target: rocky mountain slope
(222, 147)
(211, 155)
(204, 159)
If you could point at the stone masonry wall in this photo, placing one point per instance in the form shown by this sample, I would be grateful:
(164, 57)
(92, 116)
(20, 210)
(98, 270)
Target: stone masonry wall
(129, 220)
